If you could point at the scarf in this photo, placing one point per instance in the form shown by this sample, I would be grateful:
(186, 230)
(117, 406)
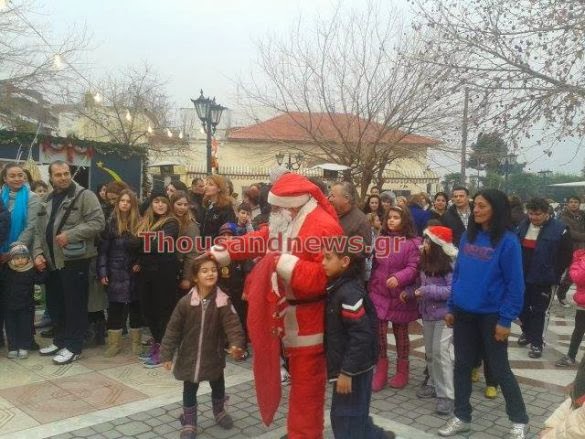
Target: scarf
(18, 214)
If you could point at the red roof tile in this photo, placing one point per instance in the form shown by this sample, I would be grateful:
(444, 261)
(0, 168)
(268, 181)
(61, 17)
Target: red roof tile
(296, 128)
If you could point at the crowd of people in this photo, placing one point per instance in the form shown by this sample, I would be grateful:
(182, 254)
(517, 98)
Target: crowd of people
(111, 264)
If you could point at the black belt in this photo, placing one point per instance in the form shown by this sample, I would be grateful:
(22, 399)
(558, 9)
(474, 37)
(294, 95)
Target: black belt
(306, 301)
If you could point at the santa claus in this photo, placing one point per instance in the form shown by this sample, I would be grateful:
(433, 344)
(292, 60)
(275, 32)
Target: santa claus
(286, 293)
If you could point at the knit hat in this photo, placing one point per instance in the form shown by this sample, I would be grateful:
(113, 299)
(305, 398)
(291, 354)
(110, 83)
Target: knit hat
(294, 190)
(19, 249)
(442, 236)
(227, 228)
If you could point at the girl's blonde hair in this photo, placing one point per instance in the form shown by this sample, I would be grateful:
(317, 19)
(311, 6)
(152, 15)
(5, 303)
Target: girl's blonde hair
(126, 222)
(372, 218)
(187, 219)
(149, 222)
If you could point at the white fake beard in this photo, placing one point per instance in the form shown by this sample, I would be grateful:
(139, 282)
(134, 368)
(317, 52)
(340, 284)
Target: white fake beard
(279, 223)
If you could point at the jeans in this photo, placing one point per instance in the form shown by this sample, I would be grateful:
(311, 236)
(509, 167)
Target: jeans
(190, 391)
(438, 344)
(67, 294)
(19, 328)
(469, 332)
(578, 333)
(350, 417)
(536, 302)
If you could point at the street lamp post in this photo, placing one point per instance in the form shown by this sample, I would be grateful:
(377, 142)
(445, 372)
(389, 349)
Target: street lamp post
(293, 164)
(209, 112)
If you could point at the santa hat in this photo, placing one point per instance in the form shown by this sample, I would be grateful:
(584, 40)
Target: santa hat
(442, 236)
(293, 190)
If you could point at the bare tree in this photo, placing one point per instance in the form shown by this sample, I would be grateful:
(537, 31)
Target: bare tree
(524, 56)
(348, 72)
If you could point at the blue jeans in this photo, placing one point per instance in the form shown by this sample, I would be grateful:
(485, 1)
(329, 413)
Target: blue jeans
(469, 332)
(350, 414)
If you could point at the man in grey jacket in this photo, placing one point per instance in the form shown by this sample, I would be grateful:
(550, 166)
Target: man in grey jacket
(68, 223)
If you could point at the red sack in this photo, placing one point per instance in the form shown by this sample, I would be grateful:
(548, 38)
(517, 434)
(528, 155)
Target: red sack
(263, 330)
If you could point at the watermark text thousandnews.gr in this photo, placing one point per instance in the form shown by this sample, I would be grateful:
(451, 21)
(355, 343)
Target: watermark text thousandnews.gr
(160, 243)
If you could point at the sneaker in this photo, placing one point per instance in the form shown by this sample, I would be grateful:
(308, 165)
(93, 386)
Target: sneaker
(444, 406)
(12, 355)
(22, 354)
(49, 350)
(519, 431)
(565, 361)
(522, 340)
(65, 356)
(475, 375)
(426, 392)
(454, 426)
(491, 392)
(535, 352)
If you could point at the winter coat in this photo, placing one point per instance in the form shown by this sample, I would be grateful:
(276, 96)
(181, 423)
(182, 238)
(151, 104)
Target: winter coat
(4, 223)
(420, 216)
(19, 288)
(84, 224)
(195, 337)
(213, 218)
(152, 259)
(576, 224)
(116, 257)
(401, 261)
(350, 328)
(452, 220)
(186, 259)
(552, 254)
(577, 273)
(435, 293)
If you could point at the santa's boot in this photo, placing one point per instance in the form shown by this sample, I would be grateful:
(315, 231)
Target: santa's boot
(380, 375)
(222, 418)
(400, 380)
(189, 423)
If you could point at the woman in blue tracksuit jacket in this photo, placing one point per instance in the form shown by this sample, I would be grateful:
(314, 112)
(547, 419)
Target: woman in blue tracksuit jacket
(487, 295)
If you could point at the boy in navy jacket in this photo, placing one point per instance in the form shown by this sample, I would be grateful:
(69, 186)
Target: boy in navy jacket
(351, 347)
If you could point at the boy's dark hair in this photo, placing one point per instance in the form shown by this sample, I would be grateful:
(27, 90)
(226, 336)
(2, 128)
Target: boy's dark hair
(436, 262)
(245, 206)
(196, 180)
(434, 222)
(356, 260)
(573, 197)
(537, 204)
(198, 262)
(460, 188)
(37, 184)
(501, 216)
(441, 194)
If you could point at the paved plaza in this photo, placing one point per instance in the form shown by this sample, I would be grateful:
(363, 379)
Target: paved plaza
(118, 398)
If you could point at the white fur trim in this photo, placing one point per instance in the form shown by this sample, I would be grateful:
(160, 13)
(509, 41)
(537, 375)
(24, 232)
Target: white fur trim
(220, 254)
(288, 202)
(301, 216)
(448, 248)
(286, 265)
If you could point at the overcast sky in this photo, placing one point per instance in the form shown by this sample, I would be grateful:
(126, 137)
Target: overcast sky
(210, 43)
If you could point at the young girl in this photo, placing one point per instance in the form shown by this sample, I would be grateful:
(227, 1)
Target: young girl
(187, 228)
(432, 294)
(194, 344)
(116, 269)
(577, 273)
(157, 276)
(395, 268)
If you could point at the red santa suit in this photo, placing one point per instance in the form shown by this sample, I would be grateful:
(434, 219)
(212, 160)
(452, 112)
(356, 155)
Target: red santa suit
(299, 283)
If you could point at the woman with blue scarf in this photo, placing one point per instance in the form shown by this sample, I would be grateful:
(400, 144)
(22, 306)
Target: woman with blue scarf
(22, 204)
(23, 207)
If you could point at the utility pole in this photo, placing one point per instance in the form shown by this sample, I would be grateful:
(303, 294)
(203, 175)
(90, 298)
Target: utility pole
(464, 137)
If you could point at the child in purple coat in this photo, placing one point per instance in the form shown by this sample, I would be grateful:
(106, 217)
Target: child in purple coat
(394, 270)
(436, 274)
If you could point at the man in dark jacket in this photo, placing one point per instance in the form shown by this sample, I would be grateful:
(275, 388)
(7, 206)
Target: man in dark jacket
(574, 218)
(351, 348)
(547, 250)
(457, 216)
